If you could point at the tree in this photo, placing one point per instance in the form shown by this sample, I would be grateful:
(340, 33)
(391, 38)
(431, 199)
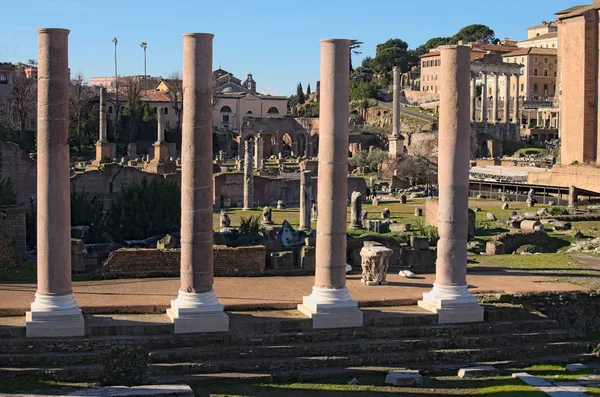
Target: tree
(475, 33)
(79, 100)
(393, 52)
(134, 109)
(300, 93)
(418, 170)
(354, 50)
(308, 90)
(437, 41)
(24, 98)
(175, 93)
(366, 63)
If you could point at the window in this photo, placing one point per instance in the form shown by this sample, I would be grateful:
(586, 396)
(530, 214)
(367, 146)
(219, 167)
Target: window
(522, 87)
(545, 59)
(155, 110)
(273, 110)
(225, 120)
(535, 59)
(551, 66)
(546, 89)
(555, 73)
(522, 59)
(3, 78)
(515, 60)
(110, 110)
(535, 88)
(166, 110)
(545, 72)
(535, 72)
(225, 109)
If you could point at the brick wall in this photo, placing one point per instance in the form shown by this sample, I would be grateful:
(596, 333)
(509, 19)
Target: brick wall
(12, 225)
(21, 169)
(228, 262)
(582, 176)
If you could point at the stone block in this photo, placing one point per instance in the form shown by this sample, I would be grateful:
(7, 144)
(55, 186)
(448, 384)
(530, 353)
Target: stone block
(419, 261)
(505, 206)
(167, 242)
(491, 217)
(403, 378)
(482, 371)
(419, 243)
(308, 258)
(282, 260)
(418, 211)
(400, 227)
(576, 367)
(530, 225)
(407, 274)
(494, 248)
(375, 263)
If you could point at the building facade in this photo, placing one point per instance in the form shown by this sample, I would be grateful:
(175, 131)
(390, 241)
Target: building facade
(540, 69)
(544, 35)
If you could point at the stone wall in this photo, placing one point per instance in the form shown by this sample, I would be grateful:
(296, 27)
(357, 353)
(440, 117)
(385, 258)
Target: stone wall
(228, 262)
(16, 165)
(12, 226)
(507, 243)
(267, 191)
(582, 176)
(498, 131)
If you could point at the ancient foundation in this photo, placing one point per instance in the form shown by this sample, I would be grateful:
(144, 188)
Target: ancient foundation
(329, 305)
(54, 312)
(450, 297)
(196, 308)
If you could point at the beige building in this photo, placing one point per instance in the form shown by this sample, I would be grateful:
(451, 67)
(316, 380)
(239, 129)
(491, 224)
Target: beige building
(235, 100)
(544, 35)
(578, 30)
(540, 69)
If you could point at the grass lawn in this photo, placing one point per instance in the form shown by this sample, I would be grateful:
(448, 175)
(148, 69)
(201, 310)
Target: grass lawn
(27, 273)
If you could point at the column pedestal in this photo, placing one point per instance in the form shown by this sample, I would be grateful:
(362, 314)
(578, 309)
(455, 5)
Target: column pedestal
(198, 312)
(452, 304)
(54, 316)
(103, 153)
(331, 308)
(396, 149)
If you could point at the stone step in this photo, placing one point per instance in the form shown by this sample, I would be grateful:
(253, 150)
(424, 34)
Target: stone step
(427, 357)
(156, 342)
(350, 372)
(48, 359)
(67, 373)
(356, 346)
(170, 390)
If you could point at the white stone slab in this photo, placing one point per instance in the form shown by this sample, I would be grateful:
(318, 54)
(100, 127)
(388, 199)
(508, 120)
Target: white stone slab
(481, 371)
(407, 274)
(122, 391)
(403, 378)
(532, 380)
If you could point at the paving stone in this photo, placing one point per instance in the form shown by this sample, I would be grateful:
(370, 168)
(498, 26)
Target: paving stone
(576, 367)
(532, 380)
(403, 378)
(482, 371)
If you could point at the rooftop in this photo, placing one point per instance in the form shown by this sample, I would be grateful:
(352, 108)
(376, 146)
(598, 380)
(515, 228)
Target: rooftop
(544, 24)
(533, 51)
(545, 36)
(578, 10)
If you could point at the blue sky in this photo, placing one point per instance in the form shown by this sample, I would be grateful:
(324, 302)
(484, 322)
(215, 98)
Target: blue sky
(277, 41)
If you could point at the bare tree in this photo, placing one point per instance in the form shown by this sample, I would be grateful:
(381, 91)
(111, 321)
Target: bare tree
(134, 108)
(24, 98)
(175, 94)
(79, 99)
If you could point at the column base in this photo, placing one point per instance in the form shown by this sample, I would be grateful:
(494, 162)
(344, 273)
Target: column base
(331, 308)
(452, 304)
(54, 316)
(198, 312)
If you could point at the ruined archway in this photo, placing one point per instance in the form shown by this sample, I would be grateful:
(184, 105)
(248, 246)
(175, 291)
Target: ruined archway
(286, 144)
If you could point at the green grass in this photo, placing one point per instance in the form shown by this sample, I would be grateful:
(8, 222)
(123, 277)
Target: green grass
(550, 262)
(27, 273)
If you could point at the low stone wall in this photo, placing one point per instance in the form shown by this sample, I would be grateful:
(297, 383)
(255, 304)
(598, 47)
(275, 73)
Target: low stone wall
(507, 243)
(12, 226)
(141, 263)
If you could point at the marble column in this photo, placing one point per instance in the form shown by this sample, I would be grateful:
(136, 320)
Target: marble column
(450, 297)
(396, 142)
(473, 99)
(305, 200)
(356, 211)
(506, 115)
(196, 308)
(258, 151)
(484, 92)
(54, 312)
(102, 127)
(495, 100)
(161, 148)
(103, 147)
(329, 305)
(248, 177)
(516, 118)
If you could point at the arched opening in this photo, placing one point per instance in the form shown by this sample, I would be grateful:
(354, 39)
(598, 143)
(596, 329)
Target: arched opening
(273, 110)
(3, 78)
(225, 109)
(315, 145)
(249, 112)
(225, 116)
(268, 145)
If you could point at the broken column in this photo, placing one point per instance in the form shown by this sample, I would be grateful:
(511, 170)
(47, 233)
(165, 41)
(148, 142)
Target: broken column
(484, 97)
(258, 151)
(516, 118)
(450, 297)
(356, 211)
(473, 99)
(161, 148)
(54, 312)
(305, 200)
(196, 308)
(248, 177)
(329, 305)
(396, 141)
(103, 147)
(506, 116)
(495, 98)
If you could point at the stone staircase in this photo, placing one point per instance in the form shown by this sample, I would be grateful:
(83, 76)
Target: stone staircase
(280, 346)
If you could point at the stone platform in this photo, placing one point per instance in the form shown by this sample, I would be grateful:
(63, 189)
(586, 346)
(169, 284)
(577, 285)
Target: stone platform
(270, 293)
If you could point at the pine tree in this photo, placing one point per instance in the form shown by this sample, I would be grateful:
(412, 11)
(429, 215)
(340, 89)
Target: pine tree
(300, 93)
(308, 90)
